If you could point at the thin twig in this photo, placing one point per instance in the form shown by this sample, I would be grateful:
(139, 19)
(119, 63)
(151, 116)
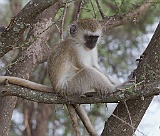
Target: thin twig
(79, 9)
(121, 4)
(100, 9)
(88, 10)
(129, 115)
(116, 6)
(93, 9)
(62, 21)
(114, 21)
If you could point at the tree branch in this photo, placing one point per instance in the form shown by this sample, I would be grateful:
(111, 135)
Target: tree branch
(44, 96)
(117, 20)
(148, 71)
(100, 9)
(26, 61)
(21, 22)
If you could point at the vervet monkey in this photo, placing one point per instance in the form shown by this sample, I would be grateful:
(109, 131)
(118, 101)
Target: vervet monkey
(73, 65)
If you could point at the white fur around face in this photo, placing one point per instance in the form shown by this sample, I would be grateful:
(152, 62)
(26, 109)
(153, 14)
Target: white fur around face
(80, 37)
(87, 57)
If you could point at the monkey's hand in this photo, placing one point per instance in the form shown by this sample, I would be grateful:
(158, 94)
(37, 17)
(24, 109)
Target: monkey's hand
(128, 85)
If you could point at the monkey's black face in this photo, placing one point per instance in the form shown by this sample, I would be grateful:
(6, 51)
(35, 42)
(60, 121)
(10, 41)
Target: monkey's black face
(90, 41)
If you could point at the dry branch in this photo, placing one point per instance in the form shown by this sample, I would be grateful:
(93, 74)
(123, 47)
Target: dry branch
(100, 9)
(43, 96)
(117, 20)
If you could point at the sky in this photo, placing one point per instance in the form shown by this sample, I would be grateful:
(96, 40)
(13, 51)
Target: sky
(150, 124)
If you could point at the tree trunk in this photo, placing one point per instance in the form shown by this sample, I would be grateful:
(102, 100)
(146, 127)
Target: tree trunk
(27, 60)
(148, 70)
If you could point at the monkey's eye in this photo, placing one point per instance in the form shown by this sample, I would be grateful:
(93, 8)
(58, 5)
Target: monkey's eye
(91, 38)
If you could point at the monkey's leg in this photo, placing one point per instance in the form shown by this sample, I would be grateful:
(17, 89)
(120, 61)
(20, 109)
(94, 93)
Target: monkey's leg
(85, 80)
(89, 79)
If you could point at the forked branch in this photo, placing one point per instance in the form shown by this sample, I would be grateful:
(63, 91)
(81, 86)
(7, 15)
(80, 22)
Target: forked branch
(118, 20)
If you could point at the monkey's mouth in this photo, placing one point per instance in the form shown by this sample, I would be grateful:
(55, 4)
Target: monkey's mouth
(90, 46)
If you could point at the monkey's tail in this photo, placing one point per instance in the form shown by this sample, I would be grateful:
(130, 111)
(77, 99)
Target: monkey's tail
(85, 119)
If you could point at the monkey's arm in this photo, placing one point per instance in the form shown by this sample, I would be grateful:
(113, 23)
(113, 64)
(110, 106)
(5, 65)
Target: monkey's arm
(113, 80)
(89, 79)
(97, 67)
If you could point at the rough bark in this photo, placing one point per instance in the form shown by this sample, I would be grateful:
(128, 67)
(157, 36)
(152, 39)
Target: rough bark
(148, 70)
(28, 59)
(21, 22)
(46, 95)
(15, 7)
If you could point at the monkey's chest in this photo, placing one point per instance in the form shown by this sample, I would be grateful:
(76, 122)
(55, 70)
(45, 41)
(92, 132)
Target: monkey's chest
(85, 58)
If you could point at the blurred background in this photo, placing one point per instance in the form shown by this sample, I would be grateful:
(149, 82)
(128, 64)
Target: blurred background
(118, 51)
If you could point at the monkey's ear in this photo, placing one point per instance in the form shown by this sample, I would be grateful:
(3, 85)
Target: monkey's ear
(73, 30)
